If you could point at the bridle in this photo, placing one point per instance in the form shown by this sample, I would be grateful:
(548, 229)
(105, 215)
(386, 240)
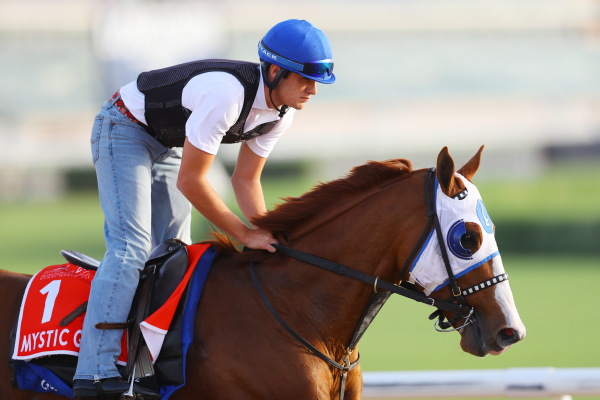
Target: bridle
(383, 289)
(458, 295)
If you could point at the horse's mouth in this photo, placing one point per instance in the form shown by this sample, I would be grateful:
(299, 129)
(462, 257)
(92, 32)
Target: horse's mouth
(496, 353)
(473, 341)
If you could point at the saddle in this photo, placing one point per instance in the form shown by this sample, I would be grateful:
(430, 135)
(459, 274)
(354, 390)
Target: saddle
(162, 274)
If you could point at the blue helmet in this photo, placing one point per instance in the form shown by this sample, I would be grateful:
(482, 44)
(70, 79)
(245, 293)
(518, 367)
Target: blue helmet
(298, 46)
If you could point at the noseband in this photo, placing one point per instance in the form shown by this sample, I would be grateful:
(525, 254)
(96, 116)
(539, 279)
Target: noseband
(382, 289)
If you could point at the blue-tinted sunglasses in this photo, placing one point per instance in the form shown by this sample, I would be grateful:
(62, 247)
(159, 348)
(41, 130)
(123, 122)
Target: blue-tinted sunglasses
(318, 69)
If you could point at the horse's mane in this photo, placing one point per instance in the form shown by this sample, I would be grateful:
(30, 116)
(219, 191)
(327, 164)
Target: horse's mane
(295, 210)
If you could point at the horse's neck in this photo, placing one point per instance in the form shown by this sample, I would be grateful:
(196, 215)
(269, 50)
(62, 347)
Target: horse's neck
(321, 306)
(369, 236)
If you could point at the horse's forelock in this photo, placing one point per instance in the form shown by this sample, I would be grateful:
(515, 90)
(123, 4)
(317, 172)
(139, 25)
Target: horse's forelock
(295, 210)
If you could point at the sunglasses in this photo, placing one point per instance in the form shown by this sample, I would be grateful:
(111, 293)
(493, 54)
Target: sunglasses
(321, 69)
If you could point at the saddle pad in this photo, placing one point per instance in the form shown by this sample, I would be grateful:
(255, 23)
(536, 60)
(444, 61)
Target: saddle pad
(54, 292)
(30, 376)
(51, 295)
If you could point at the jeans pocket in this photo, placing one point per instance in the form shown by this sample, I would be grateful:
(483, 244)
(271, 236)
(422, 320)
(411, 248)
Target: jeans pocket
(95, 137)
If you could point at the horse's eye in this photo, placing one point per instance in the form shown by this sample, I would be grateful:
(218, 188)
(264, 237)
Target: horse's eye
(469, 240)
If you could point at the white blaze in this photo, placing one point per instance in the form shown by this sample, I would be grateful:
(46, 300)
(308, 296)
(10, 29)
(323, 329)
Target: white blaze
(504, 298)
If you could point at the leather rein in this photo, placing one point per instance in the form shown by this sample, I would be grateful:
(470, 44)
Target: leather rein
(383, 289)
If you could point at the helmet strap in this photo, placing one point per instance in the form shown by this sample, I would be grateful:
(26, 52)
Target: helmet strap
(282, 73)
(283, 109)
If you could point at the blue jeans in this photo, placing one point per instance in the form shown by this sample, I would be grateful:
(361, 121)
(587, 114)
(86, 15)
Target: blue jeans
(142, 207)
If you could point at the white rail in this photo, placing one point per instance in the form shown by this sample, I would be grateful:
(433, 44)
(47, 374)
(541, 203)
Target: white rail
(555, 383)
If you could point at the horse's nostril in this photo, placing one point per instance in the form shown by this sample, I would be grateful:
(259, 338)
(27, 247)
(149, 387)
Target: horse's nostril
(508, 336)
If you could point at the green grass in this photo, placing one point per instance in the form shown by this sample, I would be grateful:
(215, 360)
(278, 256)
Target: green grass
(33, 234)
(562, 193)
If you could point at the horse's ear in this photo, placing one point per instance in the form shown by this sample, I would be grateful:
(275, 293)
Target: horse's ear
(445, 171)
(468, 170)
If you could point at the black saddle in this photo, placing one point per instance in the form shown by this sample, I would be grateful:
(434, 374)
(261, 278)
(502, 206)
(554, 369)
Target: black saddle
(81, 260)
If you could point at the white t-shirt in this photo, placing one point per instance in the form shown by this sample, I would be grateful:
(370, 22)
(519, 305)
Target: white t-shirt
(216, 99)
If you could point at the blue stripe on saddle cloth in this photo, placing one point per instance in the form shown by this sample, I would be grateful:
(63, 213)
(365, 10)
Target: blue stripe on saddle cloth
(30, 376)
(195, 288)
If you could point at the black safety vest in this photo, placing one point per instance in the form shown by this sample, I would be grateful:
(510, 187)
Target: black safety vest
(163, 88)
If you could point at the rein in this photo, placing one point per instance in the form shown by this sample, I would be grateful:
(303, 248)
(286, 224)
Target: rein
(374, 281)
(383, 289)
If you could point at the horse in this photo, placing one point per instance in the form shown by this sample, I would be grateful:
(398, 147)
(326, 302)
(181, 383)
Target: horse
(273, 326)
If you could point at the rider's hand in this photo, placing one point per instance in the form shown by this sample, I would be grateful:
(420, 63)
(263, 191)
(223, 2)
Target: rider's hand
(259, 239)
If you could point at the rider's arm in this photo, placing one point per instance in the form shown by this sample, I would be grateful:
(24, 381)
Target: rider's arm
(194, 185)
(246, 183)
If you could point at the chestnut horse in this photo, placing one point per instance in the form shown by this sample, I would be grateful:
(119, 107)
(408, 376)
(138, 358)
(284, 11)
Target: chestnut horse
(271, 326)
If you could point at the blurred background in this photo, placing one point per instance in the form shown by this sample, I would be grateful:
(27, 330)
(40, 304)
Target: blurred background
(521, 77)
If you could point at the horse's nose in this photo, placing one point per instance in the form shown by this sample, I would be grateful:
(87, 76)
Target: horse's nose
(507, 336)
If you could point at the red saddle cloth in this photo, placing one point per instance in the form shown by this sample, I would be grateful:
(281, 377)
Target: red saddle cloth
(54, 292)
(51, 295)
